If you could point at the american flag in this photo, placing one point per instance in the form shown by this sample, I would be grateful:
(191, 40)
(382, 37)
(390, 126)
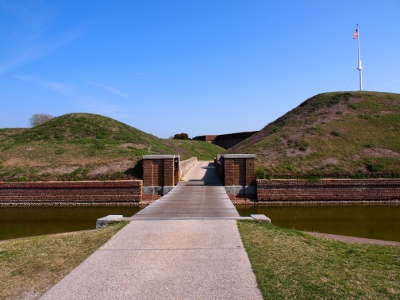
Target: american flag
(355, 34)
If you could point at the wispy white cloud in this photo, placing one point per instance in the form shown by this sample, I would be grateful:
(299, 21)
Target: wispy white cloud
(31, 35)
(50, 85)
(108, 88)
(89, 103)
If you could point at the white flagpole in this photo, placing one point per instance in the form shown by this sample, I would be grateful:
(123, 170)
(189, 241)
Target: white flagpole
(359, 68)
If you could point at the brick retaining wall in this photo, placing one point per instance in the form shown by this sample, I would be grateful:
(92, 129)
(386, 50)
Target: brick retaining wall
(328, 190)
(88, 192)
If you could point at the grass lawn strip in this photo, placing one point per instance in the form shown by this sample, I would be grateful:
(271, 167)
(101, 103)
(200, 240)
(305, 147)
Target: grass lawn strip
(290, 264)
(31, 266)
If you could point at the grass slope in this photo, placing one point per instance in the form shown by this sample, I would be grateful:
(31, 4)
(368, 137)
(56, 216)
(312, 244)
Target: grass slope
(341, 134)
(201, 150)
(290, 264)
(80, 147)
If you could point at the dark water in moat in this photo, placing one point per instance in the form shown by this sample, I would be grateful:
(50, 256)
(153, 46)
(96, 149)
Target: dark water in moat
(30, 221)
(370, 221)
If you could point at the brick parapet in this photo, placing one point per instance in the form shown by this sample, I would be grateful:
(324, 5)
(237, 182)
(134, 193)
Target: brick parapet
(328, 190)
(125, 191)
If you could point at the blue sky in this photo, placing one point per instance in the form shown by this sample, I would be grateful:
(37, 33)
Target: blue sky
(200, 67)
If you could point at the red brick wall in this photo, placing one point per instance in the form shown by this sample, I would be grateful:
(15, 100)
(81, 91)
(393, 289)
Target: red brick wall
(124, 191)
(328, 190)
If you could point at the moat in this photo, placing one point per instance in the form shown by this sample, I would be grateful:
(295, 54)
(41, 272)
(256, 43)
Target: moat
(369, 221)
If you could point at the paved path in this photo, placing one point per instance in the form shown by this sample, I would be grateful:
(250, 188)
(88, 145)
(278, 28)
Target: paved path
(183, 246)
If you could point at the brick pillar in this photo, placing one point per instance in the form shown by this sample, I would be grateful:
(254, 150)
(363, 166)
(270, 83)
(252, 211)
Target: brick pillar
(239, 169)
(239, 175)
(159, 174)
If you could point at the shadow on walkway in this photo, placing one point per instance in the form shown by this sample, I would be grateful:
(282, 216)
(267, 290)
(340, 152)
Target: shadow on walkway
(203, 172)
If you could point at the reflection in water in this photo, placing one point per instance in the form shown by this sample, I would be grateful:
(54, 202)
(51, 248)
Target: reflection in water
(30, 221)
(369, 221)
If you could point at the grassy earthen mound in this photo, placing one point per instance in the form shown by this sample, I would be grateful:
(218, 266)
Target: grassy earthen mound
(84, 146)
(339, 134)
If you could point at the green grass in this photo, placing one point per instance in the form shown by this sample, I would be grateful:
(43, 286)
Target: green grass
(200, 149)
(335, 135)
(85, 147)
(290, 264)
(31, 266)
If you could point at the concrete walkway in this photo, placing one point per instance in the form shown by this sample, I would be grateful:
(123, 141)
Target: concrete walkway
(184, 246)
